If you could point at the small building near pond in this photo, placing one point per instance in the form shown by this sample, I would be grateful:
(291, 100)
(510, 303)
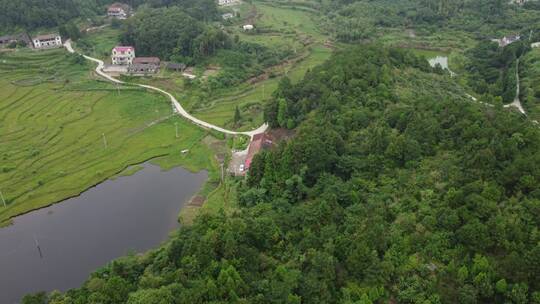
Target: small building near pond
(47, 41)
(144, 65)
(259, 141)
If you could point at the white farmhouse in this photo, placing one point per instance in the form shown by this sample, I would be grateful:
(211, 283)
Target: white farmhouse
(119, 10)
(227, 2)
(47, 41)
(123, 55)
(227, 16)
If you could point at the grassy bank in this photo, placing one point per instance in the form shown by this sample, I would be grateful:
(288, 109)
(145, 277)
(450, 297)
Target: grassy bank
(62, 130)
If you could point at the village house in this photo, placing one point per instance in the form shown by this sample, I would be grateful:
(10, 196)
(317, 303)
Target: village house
(119, 10)
(123, 55)
(227, 16)
(8, 40)
(144, 65)
(227, 2)
(506, 40)
(176, 67)
(260, 141)
(47, 41)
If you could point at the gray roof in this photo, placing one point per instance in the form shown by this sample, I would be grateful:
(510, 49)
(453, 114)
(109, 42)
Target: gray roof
(46, 37)
(173, 65)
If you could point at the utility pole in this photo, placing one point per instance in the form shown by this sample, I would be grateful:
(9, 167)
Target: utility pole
(3, 200)
(176, 128)
(222, 177)
(104, 140)
(38, 248)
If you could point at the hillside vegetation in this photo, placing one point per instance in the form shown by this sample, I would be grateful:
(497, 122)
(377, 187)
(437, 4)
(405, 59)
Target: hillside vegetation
(397, 188)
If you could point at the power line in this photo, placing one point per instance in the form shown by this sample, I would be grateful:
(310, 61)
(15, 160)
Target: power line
(104, 140)
(3, 200)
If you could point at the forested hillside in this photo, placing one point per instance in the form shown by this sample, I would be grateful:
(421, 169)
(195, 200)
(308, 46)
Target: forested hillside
(358, 20)
(167, 31)
(397, 188)
(33, 14)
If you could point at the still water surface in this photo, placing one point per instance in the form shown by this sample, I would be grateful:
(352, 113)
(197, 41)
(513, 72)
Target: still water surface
(81, 234)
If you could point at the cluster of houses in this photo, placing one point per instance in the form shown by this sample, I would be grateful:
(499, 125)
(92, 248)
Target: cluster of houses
(124, 56)
(116, 10)
(38, 42)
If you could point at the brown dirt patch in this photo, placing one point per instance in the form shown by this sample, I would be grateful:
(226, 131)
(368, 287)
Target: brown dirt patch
(197, 201)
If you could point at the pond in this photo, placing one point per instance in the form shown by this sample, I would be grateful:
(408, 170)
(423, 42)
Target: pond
(59, 246)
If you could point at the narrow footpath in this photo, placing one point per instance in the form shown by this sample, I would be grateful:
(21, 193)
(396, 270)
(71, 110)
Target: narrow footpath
(517, 103)
(177, 106)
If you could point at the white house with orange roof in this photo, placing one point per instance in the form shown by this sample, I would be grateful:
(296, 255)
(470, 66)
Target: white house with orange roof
(123, 55)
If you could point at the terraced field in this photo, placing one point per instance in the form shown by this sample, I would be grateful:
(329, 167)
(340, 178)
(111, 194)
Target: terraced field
(295, 29)
(62, 130)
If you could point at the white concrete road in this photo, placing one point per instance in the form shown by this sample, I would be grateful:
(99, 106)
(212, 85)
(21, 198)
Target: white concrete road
(174, 101)
(517, 103)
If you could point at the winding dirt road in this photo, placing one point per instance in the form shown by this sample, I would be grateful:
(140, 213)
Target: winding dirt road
(177, 106)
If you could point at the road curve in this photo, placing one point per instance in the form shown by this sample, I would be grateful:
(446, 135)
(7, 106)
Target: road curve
(179, 109)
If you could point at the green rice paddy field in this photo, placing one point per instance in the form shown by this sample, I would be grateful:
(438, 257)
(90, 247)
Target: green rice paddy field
(55, 118)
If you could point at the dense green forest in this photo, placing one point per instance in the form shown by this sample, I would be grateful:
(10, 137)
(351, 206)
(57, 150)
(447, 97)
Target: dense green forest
(357, 20)
(32, 14)
(397, 188)
(165, 32)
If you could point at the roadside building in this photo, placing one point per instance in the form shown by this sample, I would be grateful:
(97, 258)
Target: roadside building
(123, 55)
(177, 67)
(119, 10)
(260, 141)
(144, 65)
(248, 27)
(47, 41)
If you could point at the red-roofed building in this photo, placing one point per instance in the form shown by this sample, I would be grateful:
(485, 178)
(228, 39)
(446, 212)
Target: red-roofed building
(260, 141)
(123, 55)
